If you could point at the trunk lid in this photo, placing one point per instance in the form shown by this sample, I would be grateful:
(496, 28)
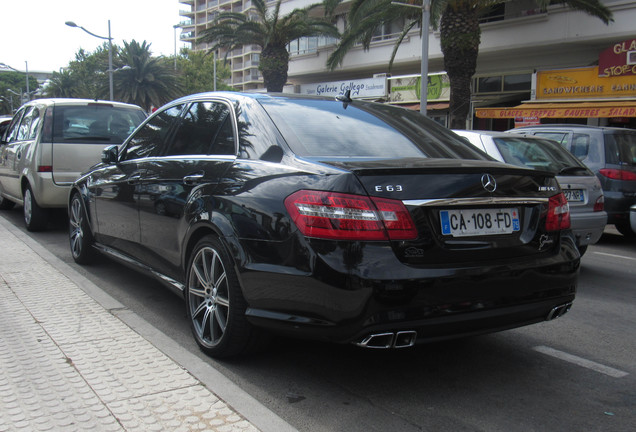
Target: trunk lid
(460, 206)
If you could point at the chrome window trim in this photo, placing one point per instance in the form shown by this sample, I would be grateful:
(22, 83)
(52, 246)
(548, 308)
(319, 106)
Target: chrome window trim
(474, 201)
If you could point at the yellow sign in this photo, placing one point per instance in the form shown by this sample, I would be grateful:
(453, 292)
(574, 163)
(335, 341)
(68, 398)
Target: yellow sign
(583, 83)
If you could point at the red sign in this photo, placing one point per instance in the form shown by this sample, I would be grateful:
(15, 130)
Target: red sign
(618, 60)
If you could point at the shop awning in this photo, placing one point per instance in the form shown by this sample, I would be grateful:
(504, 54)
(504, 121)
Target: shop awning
(562, 110)
(429, 107)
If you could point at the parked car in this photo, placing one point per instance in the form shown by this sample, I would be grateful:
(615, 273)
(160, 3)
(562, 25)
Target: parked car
(579, 184)
(4, 124)
(49, 143)
(632, 217)
(337, 220)
(610, 153)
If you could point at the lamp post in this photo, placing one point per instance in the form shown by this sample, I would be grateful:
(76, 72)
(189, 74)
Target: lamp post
(110, 52)
(175, 27)
(426, 17)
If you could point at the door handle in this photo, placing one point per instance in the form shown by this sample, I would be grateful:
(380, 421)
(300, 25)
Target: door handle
(192, 179)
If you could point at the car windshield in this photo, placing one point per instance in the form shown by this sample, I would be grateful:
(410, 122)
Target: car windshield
(329, 128)
(621, 148)
(91, 123)
(538, 154)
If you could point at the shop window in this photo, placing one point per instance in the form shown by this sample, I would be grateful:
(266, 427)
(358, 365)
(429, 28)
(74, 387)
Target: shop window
(519, 82)
(490, 84)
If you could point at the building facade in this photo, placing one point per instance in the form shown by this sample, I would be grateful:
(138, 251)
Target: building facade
(518, 42)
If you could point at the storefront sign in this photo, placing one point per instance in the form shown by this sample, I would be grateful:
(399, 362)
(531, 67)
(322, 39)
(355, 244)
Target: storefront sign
(407, 89)
(583, 83)
(618, 60)
(360, 88)
(566, 111)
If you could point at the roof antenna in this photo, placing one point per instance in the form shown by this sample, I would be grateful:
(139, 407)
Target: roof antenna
(345, 99)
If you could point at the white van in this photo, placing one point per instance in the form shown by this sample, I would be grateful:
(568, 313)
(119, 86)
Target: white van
(49, 143)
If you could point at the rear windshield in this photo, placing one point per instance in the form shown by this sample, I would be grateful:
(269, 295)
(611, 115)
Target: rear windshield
(329, 128)
(540, 154)
(90, 124)
(620, 148)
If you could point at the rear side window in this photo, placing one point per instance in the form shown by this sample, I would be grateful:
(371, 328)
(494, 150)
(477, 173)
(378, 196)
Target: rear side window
(96, 123)
(620, 148)
(14, 127)
(580, 146)
(29, 124)
(206, 128)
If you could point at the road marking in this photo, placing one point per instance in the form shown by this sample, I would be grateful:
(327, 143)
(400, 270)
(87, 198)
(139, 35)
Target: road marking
(581, 361)
(615, 256)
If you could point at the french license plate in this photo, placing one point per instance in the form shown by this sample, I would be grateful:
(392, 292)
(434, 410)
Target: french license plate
(573, 194)
(472, 222)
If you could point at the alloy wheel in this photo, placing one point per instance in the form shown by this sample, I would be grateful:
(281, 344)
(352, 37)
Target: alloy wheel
(208, 296)
(76, 219)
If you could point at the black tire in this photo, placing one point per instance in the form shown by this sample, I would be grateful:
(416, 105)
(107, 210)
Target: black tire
(214, 302)
(625, 229)
(6, 204)
(35, 217)
(582, 250)
(79, 233)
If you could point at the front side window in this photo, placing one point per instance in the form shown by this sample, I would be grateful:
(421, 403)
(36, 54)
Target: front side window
(29, 123)
(205, 129)
(14, 127)
(150, 139)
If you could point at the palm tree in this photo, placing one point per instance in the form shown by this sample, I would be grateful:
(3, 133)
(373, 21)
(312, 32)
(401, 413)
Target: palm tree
(61, 85)
(144, 80)
(271, 32)
(460, 35)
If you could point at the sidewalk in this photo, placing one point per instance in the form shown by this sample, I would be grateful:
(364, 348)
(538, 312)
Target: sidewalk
(73, 358)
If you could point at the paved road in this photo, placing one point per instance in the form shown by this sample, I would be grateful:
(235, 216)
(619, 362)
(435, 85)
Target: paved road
(575, 373)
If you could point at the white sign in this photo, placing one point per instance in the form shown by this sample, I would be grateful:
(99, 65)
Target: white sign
(360, 88)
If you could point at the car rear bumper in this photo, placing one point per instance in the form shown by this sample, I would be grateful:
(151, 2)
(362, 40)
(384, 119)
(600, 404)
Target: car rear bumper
(49, 194)
(588, 227)
(435, 304)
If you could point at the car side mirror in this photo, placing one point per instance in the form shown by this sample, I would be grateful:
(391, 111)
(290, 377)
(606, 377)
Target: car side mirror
(109, 155)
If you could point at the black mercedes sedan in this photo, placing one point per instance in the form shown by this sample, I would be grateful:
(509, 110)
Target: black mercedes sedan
(330, 219)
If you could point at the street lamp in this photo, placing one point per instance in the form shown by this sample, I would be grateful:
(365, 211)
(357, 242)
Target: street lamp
(110, 52)
(175, 27)
(426, 17)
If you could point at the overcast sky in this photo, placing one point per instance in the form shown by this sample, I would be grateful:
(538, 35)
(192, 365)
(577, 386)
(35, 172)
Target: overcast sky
(34, 30)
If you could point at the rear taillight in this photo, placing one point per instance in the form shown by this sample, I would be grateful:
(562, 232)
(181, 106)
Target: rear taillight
(349, 217)
(617, 174)
(558, 217)
(599, 205)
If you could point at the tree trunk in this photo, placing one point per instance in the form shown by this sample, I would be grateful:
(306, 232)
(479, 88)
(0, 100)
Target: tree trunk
(460, 36)
(274, 63)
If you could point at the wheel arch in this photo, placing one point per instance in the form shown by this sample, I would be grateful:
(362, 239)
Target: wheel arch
(76, 191)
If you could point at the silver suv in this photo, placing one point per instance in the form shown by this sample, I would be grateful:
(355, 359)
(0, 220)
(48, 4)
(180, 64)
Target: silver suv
(610, 153)
(49, 143)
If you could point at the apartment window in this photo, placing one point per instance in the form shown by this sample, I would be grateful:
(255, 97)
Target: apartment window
(518, 82)
(504, 83)
(491, 84)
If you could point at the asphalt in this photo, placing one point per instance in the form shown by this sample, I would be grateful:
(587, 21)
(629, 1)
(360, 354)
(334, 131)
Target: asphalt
(73, 358)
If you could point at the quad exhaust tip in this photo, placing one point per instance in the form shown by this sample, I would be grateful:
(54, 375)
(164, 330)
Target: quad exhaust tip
(558, 311)
(402, 339)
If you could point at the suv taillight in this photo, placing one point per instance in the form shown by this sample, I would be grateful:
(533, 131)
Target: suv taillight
(616, 174)
(339, 216)
(558, 217)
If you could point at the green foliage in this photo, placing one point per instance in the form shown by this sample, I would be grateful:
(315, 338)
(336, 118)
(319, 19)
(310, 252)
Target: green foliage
(270, 31)
(196, 70)
(16, 82)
